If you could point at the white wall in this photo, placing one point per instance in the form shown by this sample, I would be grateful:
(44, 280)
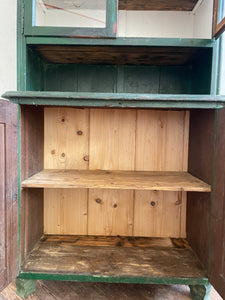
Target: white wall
(155, 24)
(203, 19)
(8, 68)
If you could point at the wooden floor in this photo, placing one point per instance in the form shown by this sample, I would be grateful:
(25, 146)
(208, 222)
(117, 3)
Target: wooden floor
(52, 290)
(114, 257)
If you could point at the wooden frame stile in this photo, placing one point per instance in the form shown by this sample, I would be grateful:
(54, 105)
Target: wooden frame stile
(8, 193)
(218, 28)
(108, 32)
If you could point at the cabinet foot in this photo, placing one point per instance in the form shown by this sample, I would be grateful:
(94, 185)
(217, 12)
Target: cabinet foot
(25, 287)
(200, 292)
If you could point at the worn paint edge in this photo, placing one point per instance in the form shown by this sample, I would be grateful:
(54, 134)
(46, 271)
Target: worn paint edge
(123, 104)
(111, 279)
(72, 32)
(122, 41)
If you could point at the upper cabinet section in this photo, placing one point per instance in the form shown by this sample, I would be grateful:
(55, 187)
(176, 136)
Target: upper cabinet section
(122, 18)
(74, 18)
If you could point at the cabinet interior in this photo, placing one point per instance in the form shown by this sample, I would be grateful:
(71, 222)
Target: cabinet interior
(119, 69)
(120, 222)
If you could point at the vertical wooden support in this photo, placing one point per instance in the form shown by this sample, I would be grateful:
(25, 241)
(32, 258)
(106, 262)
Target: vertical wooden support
(200, 292)
(25, 287)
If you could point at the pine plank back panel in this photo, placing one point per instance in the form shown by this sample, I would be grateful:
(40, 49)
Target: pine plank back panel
(115, 139)
(66, 147)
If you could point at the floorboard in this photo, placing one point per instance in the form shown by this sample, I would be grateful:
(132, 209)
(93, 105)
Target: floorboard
(54, 290)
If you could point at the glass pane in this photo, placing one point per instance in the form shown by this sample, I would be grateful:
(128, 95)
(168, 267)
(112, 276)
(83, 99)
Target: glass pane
(222, 77)
(221, 11)
(70, 13)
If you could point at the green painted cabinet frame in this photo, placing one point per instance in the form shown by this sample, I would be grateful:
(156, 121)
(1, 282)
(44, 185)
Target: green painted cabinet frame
(30, 35)
(109, 31)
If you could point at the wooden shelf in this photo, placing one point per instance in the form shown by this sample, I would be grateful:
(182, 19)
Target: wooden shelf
(138, 180)
(168, 5)
(115, 259)
(120, 55)
(123, 100)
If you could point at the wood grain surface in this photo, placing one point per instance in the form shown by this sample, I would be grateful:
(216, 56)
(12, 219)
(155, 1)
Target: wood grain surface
(62, 256)
(114, 139)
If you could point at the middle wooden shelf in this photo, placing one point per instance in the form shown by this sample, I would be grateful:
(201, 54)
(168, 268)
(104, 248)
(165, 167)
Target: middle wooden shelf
(137, 180)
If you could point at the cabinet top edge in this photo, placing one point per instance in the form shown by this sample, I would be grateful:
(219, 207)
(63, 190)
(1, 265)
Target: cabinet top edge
(12, 95)
(122, 41)
(116, 100)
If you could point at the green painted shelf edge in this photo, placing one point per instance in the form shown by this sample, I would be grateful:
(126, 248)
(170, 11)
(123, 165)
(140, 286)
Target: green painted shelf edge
(122, 41)
(110, 279)
(116, 100)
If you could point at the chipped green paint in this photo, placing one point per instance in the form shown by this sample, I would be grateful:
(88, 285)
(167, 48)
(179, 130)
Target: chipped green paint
(200, 292)
(25, 287)
(116, 100)
(111, 279)
(121, 41)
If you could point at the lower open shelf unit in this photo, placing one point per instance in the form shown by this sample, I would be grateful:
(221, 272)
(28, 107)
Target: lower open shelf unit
(114, 259)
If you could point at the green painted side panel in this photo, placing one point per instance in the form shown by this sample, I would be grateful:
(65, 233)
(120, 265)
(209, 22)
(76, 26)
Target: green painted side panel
(34, 72)
(121, 41)
(202, 73)
(99, 278)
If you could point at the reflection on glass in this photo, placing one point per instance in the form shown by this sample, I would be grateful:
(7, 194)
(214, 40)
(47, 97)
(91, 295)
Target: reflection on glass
(70, 13)
(221, 10)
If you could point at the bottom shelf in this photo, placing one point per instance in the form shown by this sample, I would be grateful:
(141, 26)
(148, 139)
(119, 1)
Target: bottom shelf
(113, 259)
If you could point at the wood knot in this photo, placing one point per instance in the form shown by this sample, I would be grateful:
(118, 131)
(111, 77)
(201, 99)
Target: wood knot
(178, 202)
(153, 203)
(98, 200)
(63, 154)
(79, 132)
(53, 152)
(115, 205)
(86, 158)
(63, 120)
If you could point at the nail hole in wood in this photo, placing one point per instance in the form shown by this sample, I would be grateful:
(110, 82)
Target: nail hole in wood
(115, 205)
(86, 158)
(79, 132)
(153, 203)
(63, 120)
(63, 154)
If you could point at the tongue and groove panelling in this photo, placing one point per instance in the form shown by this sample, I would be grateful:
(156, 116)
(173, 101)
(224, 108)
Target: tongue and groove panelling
(115, 139)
